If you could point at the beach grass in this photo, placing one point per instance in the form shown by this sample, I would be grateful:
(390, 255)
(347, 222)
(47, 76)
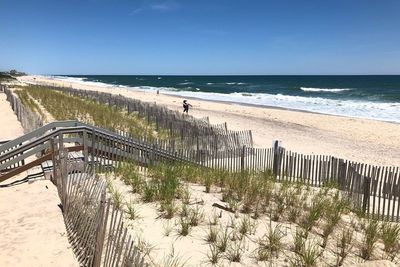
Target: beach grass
(66, 107)
(236, 234)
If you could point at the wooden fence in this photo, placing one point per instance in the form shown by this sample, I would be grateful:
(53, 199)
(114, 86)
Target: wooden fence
(373, 189)
(193, 134)
(185, 127)
(29, 119)
(95, 227)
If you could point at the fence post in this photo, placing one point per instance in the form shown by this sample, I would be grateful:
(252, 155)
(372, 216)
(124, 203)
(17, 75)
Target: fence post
(242, 159)
(276, 159)
(197, 150)
(152, 155)
(341, 174)
(251, 139)
(367, 183)
(101, 230)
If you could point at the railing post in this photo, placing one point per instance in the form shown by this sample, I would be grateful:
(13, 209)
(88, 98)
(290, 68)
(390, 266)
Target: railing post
(53, 179)
(23, 160)
(61, 159)
(63, 175)
(93, 148)
(85, 148)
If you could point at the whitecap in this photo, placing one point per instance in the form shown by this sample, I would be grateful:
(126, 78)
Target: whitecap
(384, 111)
(331, 90)
(81, 80)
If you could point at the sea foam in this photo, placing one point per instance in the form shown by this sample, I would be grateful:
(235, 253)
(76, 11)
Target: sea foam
(185, 83)
(84, 81)
(331, 90)
(384, 111)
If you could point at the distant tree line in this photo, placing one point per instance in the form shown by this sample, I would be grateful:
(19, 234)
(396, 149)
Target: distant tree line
(8, 75)
(13, 73)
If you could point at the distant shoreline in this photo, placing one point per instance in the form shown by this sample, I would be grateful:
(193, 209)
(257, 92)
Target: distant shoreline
(342, 96)
(163, 92)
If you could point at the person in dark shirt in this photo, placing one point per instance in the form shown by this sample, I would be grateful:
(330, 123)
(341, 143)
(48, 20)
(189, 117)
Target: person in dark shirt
(186, 106)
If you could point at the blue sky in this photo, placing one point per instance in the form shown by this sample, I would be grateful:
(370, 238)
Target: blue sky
(200, 36)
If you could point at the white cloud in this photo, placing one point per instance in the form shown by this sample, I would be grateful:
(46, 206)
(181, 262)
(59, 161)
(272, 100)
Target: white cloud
(162, 6)
(136, 11)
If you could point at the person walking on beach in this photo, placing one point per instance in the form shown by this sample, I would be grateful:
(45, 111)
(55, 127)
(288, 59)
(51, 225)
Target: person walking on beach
(186, 106)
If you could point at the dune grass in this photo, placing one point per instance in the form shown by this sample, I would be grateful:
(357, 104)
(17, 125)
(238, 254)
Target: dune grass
(248, 196)
(28, 102)
(66, 107)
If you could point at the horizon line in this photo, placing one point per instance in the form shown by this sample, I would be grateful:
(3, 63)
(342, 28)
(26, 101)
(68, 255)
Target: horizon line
(217, 74)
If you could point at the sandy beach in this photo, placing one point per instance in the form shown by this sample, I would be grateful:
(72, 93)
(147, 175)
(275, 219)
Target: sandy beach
(367, 141)
(38, 219)
(171, 133)
(32, 226)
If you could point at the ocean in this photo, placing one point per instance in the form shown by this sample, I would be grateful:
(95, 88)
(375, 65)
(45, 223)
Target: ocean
(371, 97)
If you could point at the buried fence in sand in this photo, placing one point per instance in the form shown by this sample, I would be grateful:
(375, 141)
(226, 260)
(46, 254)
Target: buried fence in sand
(374, 190)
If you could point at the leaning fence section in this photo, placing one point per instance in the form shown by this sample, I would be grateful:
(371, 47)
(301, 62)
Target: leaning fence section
(376, 189)
(95, 227)
(372, 189)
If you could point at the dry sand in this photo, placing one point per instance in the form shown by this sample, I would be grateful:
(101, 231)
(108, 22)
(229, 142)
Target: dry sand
(362, 140)
(32, 231)
(10, 126)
